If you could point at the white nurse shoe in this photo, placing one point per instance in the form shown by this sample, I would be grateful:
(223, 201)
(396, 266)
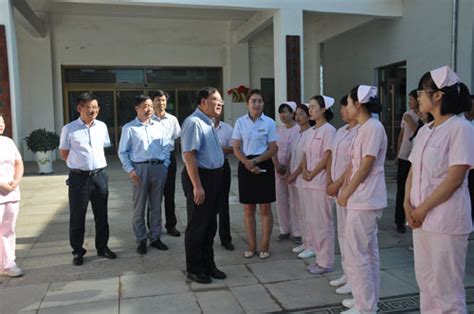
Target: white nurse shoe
(346, 289)
(338, 282)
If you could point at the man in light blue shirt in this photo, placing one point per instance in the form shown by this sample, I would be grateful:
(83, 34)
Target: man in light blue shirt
(144, 152)
(202, 180)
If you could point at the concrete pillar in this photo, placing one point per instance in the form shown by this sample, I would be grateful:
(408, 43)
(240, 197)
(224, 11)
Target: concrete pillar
(7, 19)
(286, 22)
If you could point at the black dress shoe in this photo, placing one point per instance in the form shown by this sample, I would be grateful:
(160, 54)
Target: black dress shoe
(107, 253)
(217, 274)
(78, 258)
(141, 248)
(159, 245)
(173, 232)
(199, 278)
(228, 246)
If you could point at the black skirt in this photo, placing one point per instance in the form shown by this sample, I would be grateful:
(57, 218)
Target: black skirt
(257, 188)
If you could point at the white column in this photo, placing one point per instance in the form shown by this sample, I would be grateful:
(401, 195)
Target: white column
(286, 21)
(7, 19)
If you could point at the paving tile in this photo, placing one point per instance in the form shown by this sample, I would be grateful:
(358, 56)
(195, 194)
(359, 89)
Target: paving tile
(106, 307)
(22, 299)
(237, 275)
(174, 303)
(396, 257)
(218, 301)
(390, 285)
(273, 271)
(154, 284)
(255, 299)
(84, 291)
(297, 294)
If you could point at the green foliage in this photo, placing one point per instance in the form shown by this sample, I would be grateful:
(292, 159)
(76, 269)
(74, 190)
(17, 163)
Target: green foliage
(41, 140)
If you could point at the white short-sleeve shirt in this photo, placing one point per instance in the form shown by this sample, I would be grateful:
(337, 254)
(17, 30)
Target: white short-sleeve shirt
(406, 144)
(436, 149)
(255, 135)
(85, 144)
(172, 127)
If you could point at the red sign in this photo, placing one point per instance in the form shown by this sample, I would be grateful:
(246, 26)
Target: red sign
(5, 105)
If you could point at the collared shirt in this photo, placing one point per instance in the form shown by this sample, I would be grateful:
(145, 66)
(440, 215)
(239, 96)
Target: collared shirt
(286, 136)
(406, 144)
(341, 147)
(141, 142)
(319, 141)
(255, 135)
(85, 144)
(8, 155)
(171, 124)
(370, 140)
(224, 132)
(436, 149)
(199, 135)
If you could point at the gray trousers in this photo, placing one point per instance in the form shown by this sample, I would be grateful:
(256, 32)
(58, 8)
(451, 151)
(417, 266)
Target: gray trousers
(153, 179)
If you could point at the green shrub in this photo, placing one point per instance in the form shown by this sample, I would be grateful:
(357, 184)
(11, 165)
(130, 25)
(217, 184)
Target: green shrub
(41, 140)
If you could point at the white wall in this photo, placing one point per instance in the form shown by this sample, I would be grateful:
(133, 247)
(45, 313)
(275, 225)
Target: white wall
(261, 57)
(421, 37)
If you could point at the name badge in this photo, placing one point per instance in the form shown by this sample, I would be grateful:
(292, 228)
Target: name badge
(261, 131)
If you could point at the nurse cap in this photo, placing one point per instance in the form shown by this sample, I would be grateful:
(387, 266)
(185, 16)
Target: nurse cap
(306, 104)
(365, 92)
(291, 104)
(444, 77)
(328, 101)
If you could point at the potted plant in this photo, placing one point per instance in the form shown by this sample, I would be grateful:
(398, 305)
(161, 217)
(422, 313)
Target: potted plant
(43, 143)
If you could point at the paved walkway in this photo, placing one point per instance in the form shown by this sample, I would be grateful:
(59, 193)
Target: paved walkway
(155, 283)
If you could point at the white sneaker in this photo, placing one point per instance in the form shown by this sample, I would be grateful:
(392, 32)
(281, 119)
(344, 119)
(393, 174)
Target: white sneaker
(338, 282)
(353, 310)
(346, 289)
(349, 303)
(298, 249)
(15, 271)
(307, 254)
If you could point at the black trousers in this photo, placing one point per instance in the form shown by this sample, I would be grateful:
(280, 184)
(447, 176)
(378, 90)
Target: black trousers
(82, 189)
(224, 218)
(202, 220)
(402, 174)
(471, 191)
(168, 194)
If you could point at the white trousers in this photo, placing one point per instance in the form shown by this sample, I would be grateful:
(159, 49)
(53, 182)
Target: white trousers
(8, 215)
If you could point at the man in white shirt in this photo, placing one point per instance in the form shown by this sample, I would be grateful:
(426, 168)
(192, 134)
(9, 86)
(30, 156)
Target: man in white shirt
(224, 132)
(82, 147)
(171, 124)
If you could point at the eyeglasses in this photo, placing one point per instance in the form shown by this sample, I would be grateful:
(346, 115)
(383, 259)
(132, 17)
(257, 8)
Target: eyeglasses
(256, 101)
(420, 91)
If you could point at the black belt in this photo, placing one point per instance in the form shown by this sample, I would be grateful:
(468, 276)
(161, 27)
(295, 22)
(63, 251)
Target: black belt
(87, 172)
(211, 171)
(151, 162)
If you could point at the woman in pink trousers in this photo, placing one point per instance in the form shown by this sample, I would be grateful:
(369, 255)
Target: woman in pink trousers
(365, 195)
(11, 172)
(316, 203)
(340, 160)
(437, 202)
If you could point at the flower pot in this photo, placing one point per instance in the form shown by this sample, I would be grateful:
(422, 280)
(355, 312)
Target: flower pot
(45, 162)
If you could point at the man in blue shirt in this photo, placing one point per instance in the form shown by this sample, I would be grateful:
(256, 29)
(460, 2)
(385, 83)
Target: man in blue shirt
(82, 147)
(144, 152)
(202, 180)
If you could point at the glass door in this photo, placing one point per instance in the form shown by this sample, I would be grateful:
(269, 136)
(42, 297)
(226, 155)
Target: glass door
(186, 103)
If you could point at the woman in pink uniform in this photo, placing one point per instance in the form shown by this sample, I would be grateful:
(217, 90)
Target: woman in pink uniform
(11, 172)
(294, 178)
(287, 133)
(316, 203)
(365, 195)
(340, 159)
(437, 202)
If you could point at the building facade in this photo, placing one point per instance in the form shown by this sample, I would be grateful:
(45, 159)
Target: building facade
(55, 49)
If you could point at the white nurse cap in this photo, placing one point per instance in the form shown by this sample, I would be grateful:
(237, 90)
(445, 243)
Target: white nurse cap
(328, 101)
(444, 76)
(365, 92)
(306, 104)
(291, 104)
